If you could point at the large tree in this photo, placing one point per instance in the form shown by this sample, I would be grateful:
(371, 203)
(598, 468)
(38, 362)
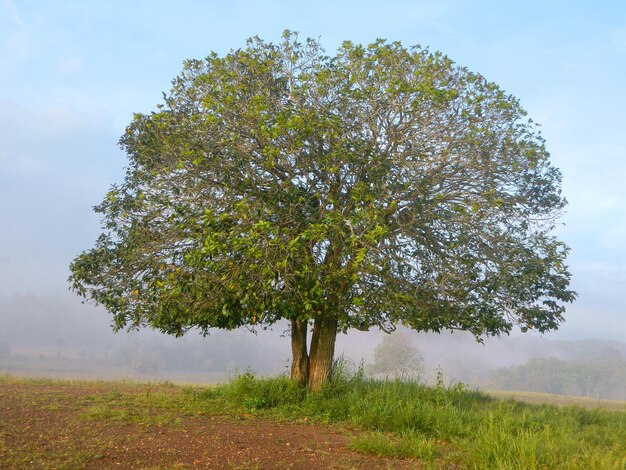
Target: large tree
(381, 186)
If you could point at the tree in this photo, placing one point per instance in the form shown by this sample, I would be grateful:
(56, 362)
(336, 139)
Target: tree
(381, 186)
(397, 357)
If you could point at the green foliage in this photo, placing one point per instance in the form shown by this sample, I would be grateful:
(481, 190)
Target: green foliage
(444, 425)
(254, 393)
(383, 185)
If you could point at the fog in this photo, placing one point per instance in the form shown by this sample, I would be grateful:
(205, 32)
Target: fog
(58, 336)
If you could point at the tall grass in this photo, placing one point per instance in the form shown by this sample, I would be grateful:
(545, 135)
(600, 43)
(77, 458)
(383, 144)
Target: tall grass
(439, 424)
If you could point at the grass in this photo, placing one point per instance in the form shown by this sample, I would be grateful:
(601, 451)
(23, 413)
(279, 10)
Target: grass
(560, 400)
(440, 425)
(407, 445)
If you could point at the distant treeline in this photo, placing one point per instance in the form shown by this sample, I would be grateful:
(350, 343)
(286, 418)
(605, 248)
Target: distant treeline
(196, 359)
(602, 378)
(58, 335)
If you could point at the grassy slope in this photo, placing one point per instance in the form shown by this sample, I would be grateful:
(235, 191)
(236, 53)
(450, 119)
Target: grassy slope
(559, 400)
(439, 425)
(442, 425)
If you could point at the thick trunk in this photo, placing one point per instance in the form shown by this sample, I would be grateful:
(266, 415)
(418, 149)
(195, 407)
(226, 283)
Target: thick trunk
(322, 352)
(300, 357)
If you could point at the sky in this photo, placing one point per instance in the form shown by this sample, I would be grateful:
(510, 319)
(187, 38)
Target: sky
(72, 73)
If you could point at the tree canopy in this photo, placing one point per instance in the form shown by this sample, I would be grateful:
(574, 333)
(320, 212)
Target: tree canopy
(384, 185)
(396, 357)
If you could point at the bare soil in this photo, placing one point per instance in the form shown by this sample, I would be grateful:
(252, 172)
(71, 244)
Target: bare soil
(48, 425)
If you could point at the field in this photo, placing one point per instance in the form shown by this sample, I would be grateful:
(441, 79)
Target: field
(559, 400)
(268, 423)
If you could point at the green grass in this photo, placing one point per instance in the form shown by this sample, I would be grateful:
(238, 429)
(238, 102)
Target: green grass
(440, 425)
(560, 400)
(406, 445)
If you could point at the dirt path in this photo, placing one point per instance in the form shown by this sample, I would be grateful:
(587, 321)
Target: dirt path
(74, 425)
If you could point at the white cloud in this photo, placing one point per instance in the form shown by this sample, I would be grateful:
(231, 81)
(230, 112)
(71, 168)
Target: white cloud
(601, 271)
(21, 165)
(22, 123)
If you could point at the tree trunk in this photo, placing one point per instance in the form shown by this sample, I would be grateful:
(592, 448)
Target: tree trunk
(300, 357)
(322, 352)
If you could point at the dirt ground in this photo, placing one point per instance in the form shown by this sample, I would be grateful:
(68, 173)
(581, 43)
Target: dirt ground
(47, 425)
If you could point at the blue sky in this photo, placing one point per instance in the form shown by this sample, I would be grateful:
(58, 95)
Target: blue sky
(73, 72)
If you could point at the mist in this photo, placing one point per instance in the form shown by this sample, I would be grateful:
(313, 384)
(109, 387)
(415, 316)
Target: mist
(58, 336)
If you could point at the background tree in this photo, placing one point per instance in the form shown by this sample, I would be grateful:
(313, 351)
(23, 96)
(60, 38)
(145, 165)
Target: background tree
(383, 185)
(396, 357)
